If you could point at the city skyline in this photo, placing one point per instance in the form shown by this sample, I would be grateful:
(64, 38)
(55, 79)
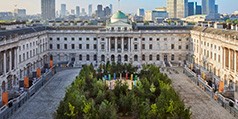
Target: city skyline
(147, 5)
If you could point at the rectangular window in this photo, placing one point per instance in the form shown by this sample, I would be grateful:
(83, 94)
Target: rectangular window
(58, 39)
(72, 46)
(80, 46)
(143, 39)
(65, 39)
(51, 46)
(187, 47)
(87, 38)
(95, 46)
(151, 47)
(51, 38)
(58, 46)
(135, 47)
(157, 39)
(143, 46)
(102, 47)
(180, 47)
(19, 58)
(94, 39)
(80, 39)
(87, 46)
(72, 38)
(135, 39)
(172, 46)
(65, 46)
(151, 39)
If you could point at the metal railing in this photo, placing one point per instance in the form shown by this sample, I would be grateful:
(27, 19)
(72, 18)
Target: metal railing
(13, 105)
(226, 103)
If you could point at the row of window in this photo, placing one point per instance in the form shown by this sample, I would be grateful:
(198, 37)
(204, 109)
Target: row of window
(112, 46)
(73, 46)
(30, 45)
(27, 55)
(125, 57)
(135, 39)
(73, 38)
(211, 56)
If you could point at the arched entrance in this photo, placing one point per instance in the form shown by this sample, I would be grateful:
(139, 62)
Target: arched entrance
(112, 58)
(119, 58)
(126, 58)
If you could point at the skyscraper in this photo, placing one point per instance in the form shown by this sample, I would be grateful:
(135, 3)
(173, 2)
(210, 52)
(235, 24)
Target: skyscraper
(111, 8)
(99, 11)
(83, 13)
(77, 11)
(192, 7)
(198, 9)
(177, 8)
(209, 8)
(107, 11)
(140, 12)
(63, 10)
(90, 9)
(48, 9)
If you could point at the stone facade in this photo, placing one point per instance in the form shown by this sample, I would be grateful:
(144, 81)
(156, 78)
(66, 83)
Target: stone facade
(212, 49)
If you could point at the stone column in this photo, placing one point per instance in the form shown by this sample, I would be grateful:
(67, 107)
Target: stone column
(129, 44)
(122, 44)
(10, 60)
(109, 44)
(116, 44)
(4, 63)
(229, 59)
(15, 58)
(235, 61)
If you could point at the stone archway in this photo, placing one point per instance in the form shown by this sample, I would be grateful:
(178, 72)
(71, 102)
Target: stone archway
(112, 58)
(119, 58)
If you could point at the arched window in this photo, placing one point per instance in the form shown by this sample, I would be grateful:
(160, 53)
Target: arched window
(151, 57)
(135, 57)
(103, 58)
(88, 57)
(125, 58)
(158, 57)
(143, 57)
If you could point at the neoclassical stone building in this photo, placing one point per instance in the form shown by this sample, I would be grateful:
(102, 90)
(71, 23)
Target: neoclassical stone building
(24, 50)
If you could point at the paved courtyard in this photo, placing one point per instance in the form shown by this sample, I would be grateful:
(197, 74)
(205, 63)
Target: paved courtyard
(44, 103)
(202, 106)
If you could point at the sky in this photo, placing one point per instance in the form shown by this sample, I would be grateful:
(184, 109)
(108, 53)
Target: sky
(128, 6)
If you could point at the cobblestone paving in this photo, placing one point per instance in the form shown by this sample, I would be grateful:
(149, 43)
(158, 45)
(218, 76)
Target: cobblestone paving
(45, 102)
(202, 106)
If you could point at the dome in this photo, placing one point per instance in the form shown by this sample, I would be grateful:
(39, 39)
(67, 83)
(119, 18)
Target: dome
(118, 16)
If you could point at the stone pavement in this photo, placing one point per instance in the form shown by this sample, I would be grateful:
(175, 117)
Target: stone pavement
(45, 102)
(202, 106)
